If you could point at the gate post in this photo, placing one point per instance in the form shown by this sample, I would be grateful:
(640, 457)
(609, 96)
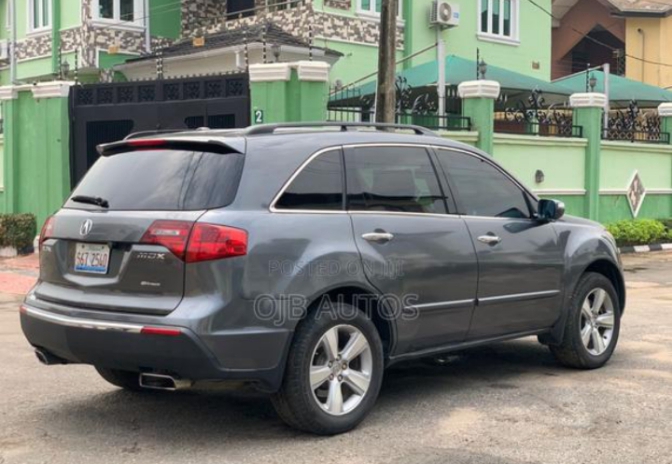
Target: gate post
(289, 92)
(478, 104)
(37, 140)
(588, 109)
(665, 113)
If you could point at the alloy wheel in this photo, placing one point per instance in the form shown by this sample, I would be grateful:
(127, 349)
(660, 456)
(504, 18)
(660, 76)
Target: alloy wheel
(597, 321)
(341, 369)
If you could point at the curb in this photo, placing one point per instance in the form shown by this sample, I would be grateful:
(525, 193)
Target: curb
(645, 248)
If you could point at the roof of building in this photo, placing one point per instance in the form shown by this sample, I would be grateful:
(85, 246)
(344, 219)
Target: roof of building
(270, 32)
(621, 89)
(643, 6)
(621, 7)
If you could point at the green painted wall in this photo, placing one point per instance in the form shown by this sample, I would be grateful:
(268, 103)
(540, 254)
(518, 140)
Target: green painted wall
(37, 173)
(621, 160)
(70, 13)
(358, 60)
(615, 207)
(165, 19)
(535, 38)
(561, 160)
(106, 61)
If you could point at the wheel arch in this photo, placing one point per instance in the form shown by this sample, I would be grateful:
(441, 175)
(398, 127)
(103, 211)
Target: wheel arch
(600, 265)
(612, 272)
(366, 300)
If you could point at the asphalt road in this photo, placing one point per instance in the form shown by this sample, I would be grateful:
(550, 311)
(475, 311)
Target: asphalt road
(509, 403)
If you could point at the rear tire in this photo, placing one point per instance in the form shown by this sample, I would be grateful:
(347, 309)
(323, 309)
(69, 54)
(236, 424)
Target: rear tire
(593, 324)
(334, 372)
(123, 379)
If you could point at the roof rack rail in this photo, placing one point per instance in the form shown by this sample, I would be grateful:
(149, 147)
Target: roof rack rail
(136, 135)
(265, 129)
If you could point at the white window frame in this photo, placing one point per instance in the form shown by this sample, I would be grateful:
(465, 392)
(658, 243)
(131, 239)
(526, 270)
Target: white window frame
(138, 22)
(372, 13)
(31, 10)
(514, 38)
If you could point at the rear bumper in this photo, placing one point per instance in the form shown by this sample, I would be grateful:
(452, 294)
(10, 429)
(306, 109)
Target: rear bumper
(124, 346)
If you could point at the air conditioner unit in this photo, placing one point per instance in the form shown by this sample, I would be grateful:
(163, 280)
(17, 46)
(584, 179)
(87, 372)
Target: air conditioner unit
(4, 50)
(445, 14)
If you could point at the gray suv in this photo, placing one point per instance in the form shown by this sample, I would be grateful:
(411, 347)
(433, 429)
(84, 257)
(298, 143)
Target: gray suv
(305, 259)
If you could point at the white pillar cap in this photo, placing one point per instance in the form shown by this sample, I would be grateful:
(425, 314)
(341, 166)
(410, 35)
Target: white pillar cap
(479, 89)
(315, 71)
(588, 100)
(665, 110)
(9, 92)
(55, 89)
(270, 72)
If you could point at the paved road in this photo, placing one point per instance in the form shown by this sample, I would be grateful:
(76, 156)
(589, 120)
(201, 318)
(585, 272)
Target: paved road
(509, 403)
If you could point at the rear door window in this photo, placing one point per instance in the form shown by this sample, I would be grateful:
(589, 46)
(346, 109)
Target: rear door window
(158, 180)
(318, 187)
(393, 179)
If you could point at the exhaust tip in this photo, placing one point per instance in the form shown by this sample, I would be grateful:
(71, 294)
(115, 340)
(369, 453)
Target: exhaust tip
(42, 357)
(47, 358)
(163, 382)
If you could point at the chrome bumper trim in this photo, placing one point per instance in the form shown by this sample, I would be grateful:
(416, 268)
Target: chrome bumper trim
(80, 323)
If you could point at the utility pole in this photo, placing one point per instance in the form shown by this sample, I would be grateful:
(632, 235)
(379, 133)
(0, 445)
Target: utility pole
(386, 92)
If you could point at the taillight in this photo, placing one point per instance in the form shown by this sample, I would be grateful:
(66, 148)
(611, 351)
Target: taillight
(197, 242)
(47, 230)
(210, 241)
(170, 234)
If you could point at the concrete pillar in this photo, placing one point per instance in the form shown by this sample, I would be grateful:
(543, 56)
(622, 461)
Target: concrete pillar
(588, 109)
(665, 113)
(478, 103)
(37, 147)
(289, 92)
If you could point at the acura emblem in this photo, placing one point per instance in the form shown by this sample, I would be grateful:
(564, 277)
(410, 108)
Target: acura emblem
(86, 227)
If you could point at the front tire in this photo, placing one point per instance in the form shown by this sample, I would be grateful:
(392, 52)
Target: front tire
(334, 372)
(592, 326)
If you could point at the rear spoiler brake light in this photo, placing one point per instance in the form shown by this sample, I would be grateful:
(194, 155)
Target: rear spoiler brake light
(124, 146)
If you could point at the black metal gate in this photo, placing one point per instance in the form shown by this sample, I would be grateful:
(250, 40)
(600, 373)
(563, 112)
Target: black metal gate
(103, 113)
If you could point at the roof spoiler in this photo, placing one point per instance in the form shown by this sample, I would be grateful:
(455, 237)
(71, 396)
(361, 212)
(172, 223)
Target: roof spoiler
(211, 146)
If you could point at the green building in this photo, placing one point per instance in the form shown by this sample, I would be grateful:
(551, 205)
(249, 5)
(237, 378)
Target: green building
(96, 36)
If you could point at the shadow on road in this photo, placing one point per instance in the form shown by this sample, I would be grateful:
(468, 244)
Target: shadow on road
(204, 415)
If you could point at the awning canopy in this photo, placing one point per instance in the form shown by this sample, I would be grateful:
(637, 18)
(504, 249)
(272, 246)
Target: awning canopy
(461, 69)
(621, 90)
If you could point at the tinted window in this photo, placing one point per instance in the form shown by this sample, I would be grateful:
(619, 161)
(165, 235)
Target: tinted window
(395, 179)
(483, 189)
(162, 180)
(319, 186)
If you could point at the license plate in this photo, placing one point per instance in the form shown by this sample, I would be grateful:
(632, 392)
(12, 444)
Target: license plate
(92, 258)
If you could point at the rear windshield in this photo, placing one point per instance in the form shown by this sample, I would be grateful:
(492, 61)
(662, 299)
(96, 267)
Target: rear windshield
(161, 180)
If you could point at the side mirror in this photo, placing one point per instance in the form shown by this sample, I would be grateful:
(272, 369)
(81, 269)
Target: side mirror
(550, 210)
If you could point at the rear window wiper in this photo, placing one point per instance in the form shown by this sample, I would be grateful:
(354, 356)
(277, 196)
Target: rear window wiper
(103, 203)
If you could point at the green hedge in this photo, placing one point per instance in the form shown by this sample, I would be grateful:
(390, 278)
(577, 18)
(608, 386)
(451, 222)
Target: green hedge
(18, 231)
(641, 231)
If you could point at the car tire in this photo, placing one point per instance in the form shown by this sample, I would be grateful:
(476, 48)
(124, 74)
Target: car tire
(592, 326)
(123, 379)
(312, 357)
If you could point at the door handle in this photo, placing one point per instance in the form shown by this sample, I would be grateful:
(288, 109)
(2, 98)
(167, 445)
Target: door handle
(378, 237)
(489, 239)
